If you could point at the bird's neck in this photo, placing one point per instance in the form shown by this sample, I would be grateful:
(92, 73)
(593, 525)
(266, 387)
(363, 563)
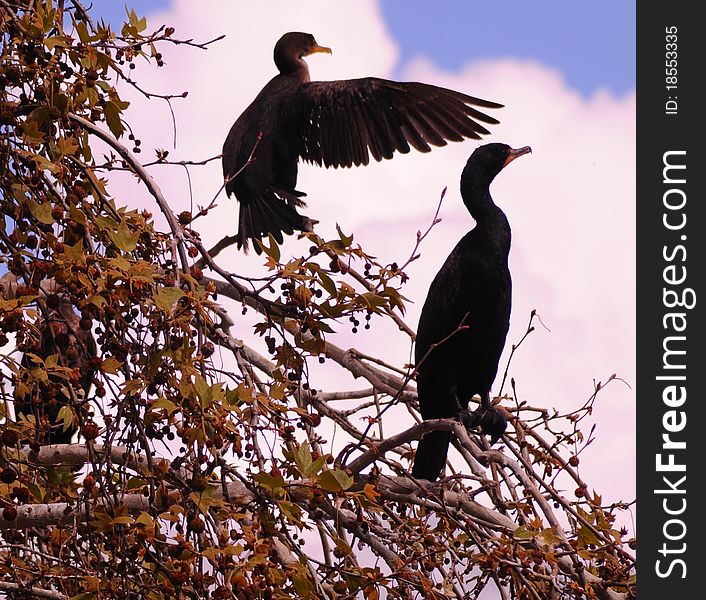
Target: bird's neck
(489, 217)
(479, 202)
(493, 220)
(295, 67)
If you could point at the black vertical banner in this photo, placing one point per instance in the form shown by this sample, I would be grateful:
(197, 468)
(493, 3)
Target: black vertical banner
(671, 299)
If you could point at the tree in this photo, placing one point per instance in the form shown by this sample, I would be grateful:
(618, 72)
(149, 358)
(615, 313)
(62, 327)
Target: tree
(191, 477)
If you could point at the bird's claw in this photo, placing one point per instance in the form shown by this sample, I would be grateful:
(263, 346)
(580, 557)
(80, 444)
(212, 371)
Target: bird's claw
(469, 419)
(490, 420)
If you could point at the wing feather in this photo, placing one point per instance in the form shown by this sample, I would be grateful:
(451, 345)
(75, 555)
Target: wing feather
(345, 122)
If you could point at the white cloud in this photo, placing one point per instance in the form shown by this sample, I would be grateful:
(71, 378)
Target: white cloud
(571, 203)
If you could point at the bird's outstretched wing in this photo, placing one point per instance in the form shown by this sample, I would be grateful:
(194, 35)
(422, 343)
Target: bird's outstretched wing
(344, 122)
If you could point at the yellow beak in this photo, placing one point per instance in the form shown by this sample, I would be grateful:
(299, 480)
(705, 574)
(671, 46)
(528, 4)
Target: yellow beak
(317, 48)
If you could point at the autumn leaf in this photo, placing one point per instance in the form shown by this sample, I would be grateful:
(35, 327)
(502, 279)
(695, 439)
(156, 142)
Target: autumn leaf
(123, 238)
(41, 212)
(166, 298)
(335, 480)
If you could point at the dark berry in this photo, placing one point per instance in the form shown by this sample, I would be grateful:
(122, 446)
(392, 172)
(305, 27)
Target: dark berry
(8, 475)
(9, 513)
(90, 431)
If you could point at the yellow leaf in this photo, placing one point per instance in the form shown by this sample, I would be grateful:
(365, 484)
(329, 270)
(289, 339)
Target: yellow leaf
(145, 519)
(167, 297)
(335, 480)
(123, 238)
(370, 492)
(112, 118)
(111, 365)
(67, 146)
(41, 212)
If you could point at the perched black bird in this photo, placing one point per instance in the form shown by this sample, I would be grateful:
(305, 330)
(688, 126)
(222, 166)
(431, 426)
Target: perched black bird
(330, 123)
(473, 290)
(61, 334)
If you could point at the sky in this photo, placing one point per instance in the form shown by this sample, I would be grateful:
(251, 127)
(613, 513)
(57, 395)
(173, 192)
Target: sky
(565, 72)
(593, 45)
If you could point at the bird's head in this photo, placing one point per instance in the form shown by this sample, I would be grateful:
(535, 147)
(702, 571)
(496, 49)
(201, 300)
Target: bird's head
(480, 170)
(292, 47)
(490, 159)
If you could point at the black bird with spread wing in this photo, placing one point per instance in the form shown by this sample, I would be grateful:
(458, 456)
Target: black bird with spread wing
(466, 317)
(332, 124)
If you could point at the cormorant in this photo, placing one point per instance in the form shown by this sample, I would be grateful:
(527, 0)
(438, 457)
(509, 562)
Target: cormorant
(60, 334)
(472, 289)
(330, 123)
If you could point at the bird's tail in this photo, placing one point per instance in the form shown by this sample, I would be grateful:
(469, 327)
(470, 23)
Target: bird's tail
(431, 455)
(271, 212)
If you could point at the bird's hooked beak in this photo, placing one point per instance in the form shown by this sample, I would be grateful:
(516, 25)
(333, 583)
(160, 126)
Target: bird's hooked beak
(316, 48)
(514, 153)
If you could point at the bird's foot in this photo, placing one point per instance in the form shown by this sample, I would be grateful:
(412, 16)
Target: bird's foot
(491, 421)
(469, 419)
